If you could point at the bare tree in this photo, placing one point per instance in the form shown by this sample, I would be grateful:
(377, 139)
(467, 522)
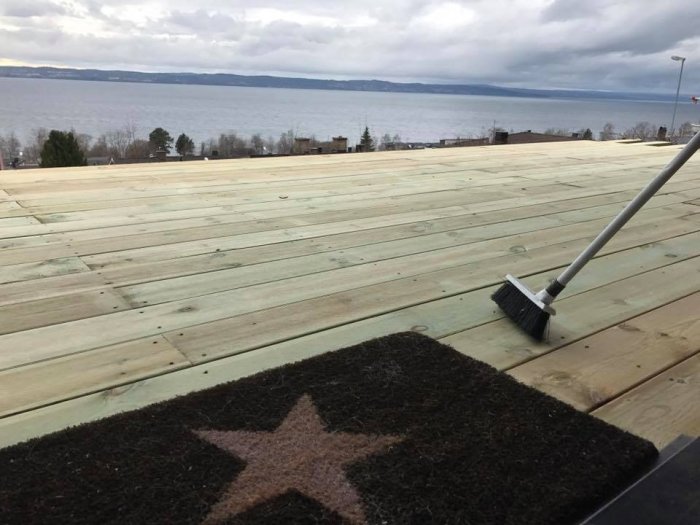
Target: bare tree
(561, 132)
(100, 148)
(258, 144)
(32, 151)
(118, 141)
(685, 130)
(138, 149)
(231, 145)
(10, 146)
(641, 130)
(384, 142)
(212, 146)
(286, 142)
(270, 145)
(608, 132)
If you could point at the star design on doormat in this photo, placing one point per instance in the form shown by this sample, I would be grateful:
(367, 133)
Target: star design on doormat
(299, 455)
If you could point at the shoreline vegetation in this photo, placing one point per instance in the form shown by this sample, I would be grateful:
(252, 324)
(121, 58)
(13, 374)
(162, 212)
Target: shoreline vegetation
(125, 146)
(266, 81)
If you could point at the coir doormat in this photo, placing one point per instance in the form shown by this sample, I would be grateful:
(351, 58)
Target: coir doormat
(398, 430)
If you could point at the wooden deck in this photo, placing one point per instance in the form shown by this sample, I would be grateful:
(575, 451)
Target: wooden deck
(126, 285)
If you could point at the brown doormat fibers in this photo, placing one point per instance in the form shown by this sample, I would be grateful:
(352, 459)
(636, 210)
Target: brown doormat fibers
(400, 429)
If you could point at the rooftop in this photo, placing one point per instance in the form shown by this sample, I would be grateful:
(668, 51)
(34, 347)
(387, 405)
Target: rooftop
(125, 285)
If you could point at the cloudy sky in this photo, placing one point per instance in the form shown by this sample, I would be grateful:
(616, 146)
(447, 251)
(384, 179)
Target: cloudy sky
(593, 44)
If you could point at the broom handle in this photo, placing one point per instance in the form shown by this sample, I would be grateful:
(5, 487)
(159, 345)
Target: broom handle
(625, 215)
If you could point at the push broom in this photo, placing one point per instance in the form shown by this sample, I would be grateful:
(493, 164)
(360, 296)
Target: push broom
(531, 311)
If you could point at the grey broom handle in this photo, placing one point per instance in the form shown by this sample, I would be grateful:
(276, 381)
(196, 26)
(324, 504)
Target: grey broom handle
(629, 210)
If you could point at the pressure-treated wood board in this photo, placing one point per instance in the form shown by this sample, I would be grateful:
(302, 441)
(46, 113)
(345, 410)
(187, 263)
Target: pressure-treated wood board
(23, 316)
(448, 276)
(662, 408)
(588, 373)
(124, 285)
(256, 329)
(502, 345)
(37, 270)
(46, 381)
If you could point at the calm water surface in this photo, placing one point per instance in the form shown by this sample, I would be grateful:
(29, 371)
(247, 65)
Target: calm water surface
(205, 111)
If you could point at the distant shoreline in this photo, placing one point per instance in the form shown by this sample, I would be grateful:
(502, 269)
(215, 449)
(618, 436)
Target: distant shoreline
(230, 80)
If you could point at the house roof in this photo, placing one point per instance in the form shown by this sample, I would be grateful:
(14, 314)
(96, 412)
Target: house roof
(126, 285)
(528, 137)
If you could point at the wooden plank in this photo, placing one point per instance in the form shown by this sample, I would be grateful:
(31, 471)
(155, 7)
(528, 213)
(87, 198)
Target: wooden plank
(662, 408)
(120, 194)
(45, 312)
(84, 334)
(168, 199)
(10, 222)
(402, 257)
(23, 291)
(398, 225)
(192, 261)
(66, 284)
(592, 371)
(365, 220)
(234, 194)
(314, 225)
(273, 206)
(424, 253)
(354, 179)
(266, 168)
(503, 345)
(163, 201)
(38, 270)
(51, 381)
(256, 329)
(236, 170)
(125, 214)
(244, 234)
(333, 207)
(37, 422)
(136, 395)
(451, 302)
(36, 243)
(6, 206)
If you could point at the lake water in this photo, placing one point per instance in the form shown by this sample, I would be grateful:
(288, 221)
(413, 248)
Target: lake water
(203, 112)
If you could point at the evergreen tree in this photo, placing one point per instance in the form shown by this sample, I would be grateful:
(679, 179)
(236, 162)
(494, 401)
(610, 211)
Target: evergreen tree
(184, 145)
(159, 139)
(366, 141)
(61, 149)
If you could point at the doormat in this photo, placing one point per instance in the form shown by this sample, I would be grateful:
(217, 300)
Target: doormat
(400, 429)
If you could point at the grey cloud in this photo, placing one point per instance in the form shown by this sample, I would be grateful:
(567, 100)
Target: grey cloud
(593, 43)
(24, 9)
(563, 10)
(654, 30)
(202, 22)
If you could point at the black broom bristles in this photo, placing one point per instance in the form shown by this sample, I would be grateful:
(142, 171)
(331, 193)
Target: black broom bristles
(522, 309)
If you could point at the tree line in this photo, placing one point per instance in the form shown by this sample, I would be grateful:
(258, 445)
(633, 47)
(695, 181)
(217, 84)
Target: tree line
(641, 130)
(70, 148)
(60, 148)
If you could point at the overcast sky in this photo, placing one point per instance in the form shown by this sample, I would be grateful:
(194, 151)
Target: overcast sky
(594, 44)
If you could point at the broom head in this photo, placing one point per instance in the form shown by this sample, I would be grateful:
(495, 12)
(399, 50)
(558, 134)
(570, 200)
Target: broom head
(523, 307)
